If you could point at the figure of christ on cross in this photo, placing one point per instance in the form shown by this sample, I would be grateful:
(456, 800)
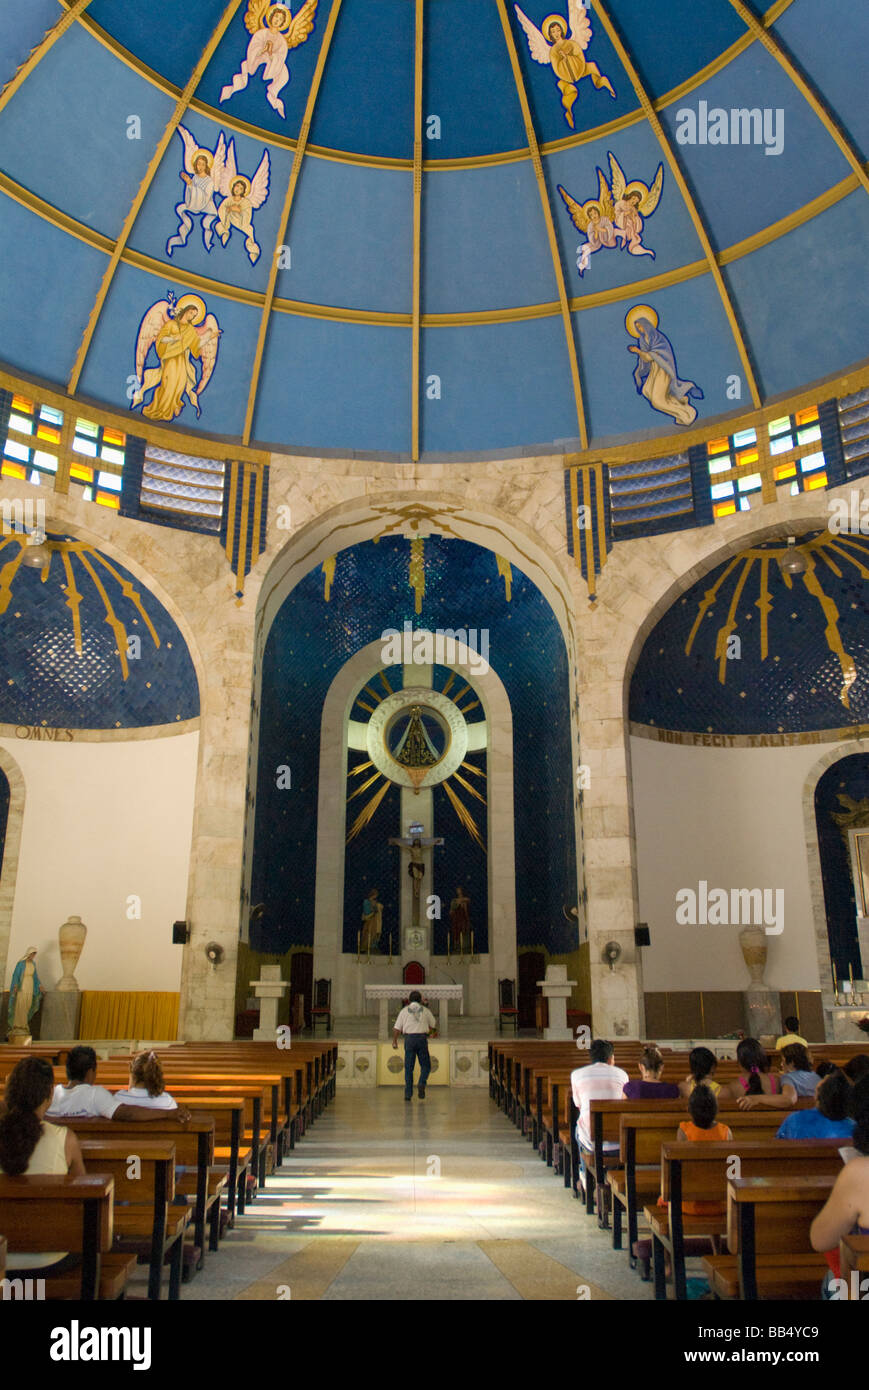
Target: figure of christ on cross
(416, 868)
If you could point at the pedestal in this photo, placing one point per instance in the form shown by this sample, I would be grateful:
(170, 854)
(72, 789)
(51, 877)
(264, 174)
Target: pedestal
(61, 1010)
(557, 989)
(845, 1019)
(762, 1012)
(269, 990)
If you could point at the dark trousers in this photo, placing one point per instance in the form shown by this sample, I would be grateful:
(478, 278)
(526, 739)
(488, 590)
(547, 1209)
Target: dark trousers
(415, 1045)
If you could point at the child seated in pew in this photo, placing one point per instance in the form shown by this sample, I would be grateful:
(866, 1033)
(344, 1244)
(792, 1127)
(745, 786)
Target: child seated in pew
(829, 1119)
(856, 1067)
(755, 1080)
(797, 1079)
(81, 1098)
(703, 1127)
(846, 1210)
(146, 1084)
(651, 1087)
(702, 1063)
(29, 1145)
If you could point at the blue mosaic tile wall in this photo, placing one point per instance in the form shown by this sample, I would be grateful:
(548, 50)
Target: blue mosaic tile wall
(43, 680)
(797, 688)
(309, 642)
(848, 777)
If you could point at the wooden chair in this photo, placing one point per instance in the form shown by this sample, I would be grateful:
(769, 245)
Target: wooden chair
(42, 1213)
(322, 1006)
(507, 1005)
(413, 973)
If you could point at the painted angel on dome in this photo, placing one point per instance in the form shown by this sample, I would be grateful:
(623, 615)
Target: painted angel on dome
(563, 51)
(656, 375)
(616, 215)
(180, 332)
(274, 30)
(212, 174)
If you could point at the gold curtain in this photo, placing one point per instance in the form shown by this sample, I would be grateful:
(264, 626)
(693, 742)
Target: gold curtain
(118, 1013)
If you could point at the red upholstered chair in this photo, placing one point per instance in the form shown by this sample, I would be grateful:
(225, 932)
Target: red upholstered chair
(322, 1007)
(414, 973)
(507, 1005)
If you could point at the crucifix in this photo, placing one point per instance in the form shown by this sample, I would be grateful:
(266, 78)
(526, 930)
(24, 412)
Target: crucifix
(415, 842)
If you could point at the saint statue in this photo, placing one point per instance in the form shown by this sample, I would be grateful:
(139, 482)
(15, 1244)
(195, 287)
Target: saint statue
(372, 920)
(416, 867)
(460, 919)
(25, 994)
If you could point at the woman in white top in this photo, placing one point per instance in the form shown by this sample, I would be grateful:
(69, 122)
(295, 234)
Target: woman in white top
(29, 1145)
(146, 1086)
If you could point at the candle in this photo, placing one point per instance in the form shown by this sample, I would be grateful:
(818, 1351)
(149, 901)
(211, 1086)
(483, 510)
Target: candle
(390, 948)
(472, 945)
(358, 944)
(851, 974)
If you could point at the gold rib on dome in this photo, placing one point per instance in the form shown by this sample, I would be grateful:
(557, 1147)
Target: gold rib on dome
(693, 211)
(150, 172)
(558, 269)
(805, 88)
(285, 214)
(36, 55)
(416, 266)
(600, 132)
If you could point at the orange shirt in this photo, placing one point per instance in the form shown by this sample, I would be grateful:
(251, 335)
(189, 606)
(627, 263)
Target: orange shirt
(716, 1135)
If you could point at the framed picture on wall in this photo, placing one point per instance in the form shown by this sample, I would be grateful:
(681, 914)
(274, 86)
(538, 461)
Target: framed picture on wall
(858, 844)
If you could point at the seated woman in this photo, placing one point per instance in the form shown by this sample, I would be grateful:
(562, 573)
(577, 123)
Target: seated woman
(702, 1063)
(797, 1079)
(29, 1145)
(146, 1086)
(755, 1080)
(846, 1211)
(829, 1119)
(651, 1086)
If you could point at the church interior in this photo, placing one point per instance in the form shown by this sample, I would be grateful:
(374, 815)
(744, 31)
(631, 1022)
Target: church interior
(508, 646)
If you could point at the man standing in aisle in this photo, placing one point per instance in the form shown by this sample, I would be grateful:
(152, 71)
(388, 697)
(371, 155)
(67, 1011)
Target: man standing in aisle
(416, 1022)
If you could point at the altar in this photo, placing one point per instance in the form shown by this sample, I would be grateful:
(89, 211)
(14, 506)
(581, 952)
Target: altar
(395, 993)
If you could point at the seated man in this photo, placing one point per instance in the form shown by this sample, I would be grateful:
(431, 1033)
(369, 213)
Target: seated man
(791, 1034)
(600, 1080)
(82, 1098)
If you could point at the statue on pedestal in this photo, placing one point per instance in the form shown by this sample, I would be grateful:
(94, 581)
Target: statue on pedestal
(25, 995)
(372, 920)
(460, 920)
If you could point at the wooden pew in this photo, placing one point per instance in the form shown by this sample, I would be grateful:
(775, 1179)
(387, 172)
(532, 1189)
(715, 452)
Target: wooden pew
(768, 1221)
(44, 1213)
(698, 1173)
(194, 1150)
(142, 1219)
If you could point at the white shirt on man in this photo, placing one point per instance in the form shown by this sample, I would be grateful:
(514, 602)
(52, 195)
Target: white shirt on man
(84, 1102)
(415, 1018)
(597, 1081)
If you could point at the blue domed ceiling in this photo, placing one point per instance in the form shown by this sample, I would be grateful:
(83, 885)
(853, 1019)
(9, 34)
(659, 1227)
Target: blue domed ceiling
(647, 216)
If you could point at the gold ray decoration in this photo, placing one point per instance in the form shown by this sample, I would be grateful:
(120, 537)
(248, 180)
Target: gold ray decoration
(764, 603)
(369, 781)
(360, 767)
(463, 782)
(368, 811)
(506, 571)
(708, 599)
(73, 602)
(469, 767)
(114, 622)
(416, 571)
(385, 682)
(831, 632)
(329, 575)
(126, 587)
(464, 815)
(373, 693)
(729, 627)
(475, 704)
(8, 573)
(451, 680)
(365, 705)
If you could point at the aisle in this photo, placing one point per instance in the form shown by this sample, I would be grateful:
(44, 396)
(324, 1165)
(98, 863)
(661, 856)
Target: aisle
(436, 1199)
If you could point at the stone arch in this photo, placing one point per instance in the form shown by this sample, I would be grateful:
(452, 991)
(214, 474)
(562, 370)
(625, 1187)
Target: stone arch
(813, 855)
(10, 852)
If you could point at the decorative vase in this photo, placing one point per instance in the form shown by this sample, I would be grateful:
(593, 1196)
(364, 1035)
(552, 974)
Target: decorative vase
(753, 944)
(71, 937)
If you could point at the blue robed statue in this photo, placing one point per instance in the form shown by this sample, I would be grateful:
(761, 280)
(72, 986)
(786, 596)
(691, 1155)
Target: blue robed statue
(25, 993)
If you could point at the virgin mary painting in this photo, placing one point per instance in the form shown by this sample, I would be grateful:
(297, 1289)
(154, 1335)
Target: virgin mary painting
(656, 375)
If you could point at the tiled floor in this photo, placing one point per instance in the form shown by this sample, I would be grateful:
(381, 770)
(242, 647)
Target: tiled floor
(440, 1199)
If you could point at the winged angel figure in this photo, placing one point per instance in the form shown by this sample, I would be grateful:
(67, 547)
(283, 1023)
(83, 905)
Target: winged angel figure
(274, 31)
(208, 174)
(551, 46)
(178, 331)
(616, 214)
